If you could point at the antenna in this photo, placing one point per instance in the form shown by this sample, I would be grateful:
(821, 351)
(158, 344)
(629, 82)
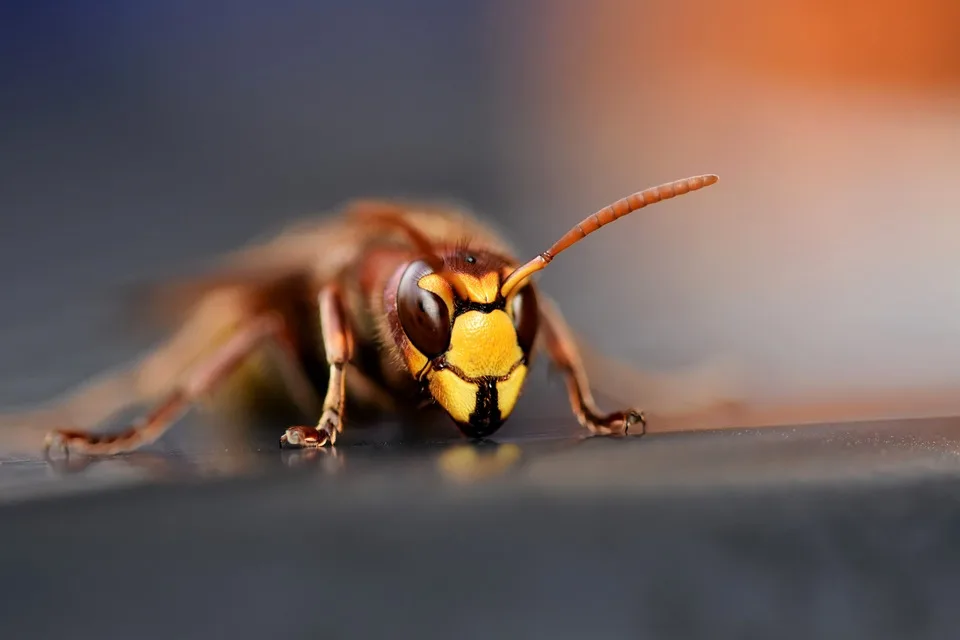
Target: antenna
(605, 216)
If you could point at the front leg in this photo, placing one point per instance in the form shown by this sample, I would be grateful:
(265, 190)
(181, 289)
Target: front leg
(563, 352)
(338, 345)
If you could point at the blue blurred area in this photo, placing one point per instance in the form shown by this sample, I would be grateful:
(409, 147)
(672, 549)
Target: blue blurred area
(136, 118)
(145, 137)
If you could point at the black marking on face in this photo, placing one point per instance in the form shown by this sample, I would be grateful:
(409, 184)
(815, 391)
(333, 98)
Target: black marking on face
(486, 418)
(461, 306)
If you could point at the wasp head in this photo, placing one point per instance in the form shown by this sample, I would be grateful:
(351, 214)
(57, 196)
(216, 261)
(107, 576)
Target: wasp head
(467, 344)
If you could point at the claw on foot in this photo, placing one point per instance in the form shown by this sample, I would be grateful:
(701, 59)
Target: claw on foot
(617, 423)
(311, 437)
(306, 438)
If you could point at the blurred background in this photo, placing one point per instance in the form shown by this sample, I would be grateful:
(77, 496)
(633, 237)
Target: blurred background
(141, 138)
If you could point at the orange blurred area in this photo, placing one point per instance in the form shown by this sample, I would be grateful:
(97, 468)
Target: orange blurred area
(885, 43)
(825, 259)
(814, 42)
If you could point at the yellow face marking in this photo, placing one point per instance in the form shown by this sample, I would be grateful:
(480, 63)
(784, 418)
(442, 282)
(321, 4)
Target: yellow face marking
(484, 344)
(508, 391)
(483, 289)
(457, 396)
(416, 361)
(437, 284)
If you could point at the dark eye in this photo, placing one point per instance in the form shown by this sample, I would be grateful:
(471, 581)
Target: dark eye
(526, 318)
(423, 314)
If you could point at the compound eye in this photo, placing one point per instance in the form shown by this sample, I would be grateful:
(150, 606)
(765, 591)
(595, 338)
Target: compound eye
(526, 318)
(423, 314)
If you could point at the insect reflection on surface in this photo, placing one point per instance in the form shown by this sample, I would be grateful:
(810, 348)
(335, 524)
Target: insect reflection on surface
(149, 464)
(457, 463)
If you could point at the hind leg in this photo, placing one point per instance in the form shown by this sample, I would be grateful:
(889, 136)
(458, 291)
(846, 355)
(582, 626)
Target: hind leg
(201, 380)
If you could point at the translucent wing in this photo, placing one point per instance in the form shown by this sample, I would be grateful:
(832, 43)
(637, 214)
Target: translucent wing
(310, 250)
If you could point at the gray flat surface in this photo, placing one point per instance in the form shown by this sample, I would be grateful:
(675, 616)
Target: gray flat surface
(833, 531)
